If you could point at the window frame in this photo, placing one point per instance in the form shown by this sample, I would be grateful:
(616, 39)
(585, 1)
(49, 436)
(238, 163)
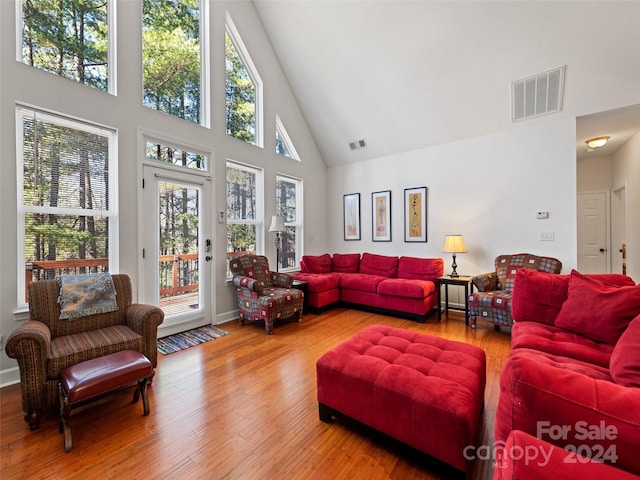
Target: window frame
(112, 72)
(22, 112)
(299, 221)
(259, 199)
(252, 71)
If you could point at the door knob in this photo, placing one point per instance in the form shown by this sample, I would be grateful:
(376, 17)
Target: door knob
(602, 250)
(207, 258)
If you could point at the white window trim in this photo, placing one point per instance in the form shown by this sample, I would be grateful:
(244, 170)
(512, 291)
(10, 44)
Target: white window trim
(243, 53)
(113, 212)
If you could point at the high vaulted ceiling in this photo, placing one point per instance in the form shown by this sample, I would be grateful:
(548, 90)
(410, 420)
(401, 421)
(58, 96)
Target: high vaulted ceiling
(405, 75)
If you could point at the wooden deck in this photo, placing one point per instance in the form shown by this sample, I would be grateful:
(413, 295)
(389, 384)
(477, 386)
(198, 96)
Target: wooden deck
(180, 303)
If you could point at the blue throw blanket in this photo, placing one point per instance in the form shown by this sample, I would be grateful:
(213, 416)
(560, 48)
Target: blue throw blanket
(86, 294)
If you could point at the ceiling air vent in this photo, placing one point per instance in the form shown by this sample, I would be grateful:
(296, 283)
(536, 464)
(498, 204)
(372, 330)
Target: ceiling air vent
(358, 144)
(537, 95)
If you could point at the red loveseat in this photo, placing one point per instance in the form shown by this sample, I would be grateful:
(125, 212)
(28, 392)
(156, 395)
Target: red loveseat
(395, 285)
(572, 378)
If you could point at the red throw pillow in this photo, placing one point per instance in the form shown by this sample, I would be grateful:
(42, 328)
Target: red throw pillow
(625, 358)
(317, 264)
(598, 310)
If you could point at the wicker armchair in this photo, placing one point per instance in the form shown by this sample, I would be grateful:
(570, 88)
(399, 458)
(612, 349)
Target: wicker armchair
(45, 345)
(263, 294)
(492, 301)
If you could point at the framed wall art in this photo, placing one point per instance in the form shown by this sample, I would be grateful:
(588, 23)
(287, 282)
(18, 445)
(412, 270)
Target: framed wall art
(415, 214)
(381, 216)
(352, 216)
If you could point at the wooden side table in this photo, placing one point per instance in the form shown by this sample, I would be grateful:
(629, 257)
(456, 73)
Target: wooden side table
(462, 280)
(304, 287)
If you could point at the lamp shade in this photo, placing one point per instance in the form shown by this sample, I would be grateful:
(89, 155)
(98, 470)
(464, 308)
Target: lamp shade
(454, 244)
(277, 224)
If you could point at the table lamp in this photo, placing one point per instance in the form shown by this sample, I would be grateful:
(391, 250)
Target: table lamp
(454, 244)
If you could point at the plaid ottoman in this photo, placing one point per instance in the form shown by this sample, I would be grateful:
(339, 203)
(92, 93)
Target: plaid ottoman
(425, 391)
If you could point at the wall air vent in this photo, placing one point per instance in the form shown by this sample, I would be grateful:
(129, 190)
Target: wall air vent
(358, 144)
(537, 95)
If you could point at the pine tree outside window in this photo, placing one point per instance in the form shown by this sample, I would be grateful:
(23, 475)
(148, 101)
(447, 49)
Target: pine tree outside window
(173, 37)
(70, 38)
(67, 213)
(243, 89)
(244, 210)
(289, 206)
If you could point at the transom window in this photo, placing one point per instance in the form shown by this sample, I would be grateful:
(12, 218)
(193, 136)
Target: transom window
(244, 210)
(70, 38)
(67, 213)
(173, 155)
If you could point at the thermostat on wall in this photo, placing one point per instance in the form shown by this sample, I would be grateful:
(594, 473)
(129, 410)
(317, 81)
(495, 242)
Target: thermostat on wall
(541, 214)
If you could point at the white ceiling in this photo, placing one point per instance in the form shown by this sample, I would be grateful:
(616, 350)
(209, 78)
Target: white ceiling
(406, 75)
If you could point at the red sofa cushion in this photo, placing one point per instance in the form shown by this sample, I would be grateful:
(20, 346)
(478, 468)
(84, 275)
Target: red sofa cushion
(597, 310)
(625, 359)
(345, 262)
(539, 387)
(526, 457)
(400, 287)
(538, 296)
(382, 265)
(316, 263)
(556, 341)
(420, 268)
(361, 281)
(319, 282)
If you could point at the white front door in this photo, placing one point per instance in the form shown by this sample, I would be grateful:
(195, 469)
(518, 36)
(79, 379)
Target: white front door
(177, 266)
(593, 232)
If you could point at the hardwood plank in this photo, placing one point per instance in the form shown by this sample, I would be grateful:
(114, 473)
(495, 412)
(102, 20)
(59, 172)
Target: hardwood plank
(240, 407)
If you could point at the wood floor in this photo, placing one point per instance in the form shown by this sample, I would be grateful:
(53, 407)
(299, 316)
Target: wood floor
(239, 407)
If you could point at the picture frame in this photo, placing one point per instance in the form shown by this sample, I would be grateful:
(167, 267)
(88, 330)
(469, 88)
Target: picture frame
(351, 208)
(415, 214)
(381, 216)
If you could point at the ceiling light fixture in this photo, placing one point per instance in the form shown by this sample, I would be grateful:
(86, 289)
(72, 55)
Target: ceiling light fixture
(597, 142)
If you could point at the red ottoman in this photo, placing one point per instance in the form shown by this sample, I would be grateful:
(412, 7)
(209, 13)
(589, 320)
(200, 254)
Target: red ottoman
(425, 391)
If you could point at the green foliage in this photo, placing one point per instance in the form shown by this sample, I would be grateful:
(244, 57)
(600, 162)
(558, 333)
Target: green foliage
(171, 57)
(68, 38)
(240, 97)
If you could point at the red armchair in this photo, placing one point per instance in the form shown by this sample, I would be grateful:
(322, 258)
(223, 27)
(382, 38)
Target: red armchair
(263, 294)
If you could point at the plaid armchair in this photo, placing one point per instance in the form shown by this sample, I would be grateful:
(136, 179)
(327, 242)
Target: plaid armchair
(492, 301)
(263, 294)
(46, 344)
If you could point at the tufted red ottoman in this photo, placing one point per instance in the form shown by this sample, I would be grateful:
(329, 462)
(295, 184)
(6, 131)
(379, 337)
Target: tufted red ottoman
(425, 391)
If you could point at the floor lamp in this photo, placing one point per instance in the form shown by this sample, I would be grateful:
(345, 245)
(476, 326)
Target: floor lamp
(454, 244)
(277, 226)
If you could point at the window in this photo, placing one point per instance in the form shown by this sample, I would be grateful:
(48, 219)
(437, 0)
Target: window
(67, 215)
(244, 210)
(289, 206)
(284, 145)
(172, 58)
(70, 38)
(243, 90)
(175, 156)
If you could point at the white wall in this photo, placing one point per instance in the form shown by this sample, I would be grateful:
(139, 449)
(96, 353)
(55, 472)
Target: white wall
(626, 172)
(21, 83)
(594, 174)
(486, 188)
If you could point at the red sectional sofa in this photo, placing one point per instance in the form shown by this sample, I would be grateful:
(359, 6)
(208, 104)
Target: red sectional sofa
(573, 375)
(397, 285)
